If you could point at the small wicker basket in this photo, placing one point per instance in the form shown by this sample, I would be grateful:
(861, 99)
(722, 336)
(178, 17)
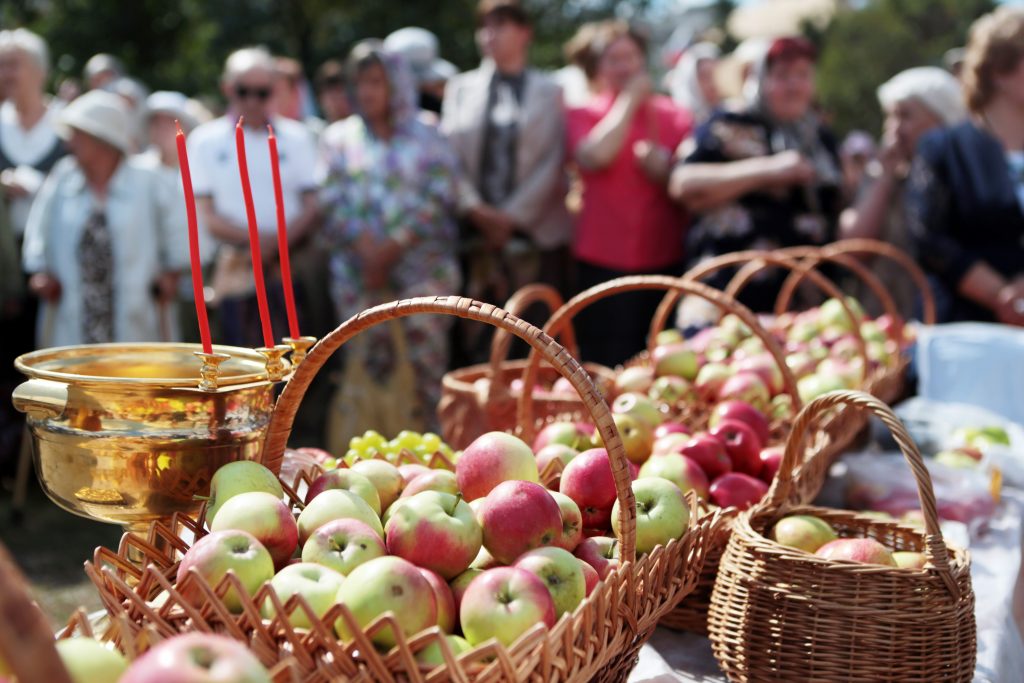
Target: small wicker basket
(778, 613)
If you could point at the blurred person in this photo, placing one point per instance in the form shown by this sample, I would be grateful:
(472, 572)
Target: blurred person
(101, 244)
(419, 47)
(691, 83)
(389, 195)
(915, 102)
(622, 145)
(764, 177)
(68, 89)
(163, 108)
(965, 192)
(134, 92)
(292, 97)
(506, 125)
(855, 154)
(576, 90)
(953, 60)
(248, 86)
(750, 54)
(101, 69)
(332, 91)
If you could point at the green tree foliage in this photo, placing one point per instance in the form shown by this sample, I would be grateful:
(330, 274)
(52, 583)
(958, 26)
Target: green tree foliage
(863, 48)
(182, 45)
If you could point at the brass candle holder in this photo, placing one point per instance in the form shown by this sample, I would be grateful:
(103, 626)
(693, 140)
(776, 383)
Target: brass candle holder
(300, 347)
(132, 433)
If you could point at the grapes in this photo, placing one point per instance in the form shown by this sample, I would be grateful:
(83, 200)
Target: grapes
(372, 444)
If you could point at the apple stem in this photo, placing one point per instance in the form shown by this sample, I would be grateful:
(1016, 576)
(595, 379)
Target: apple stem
(458, 499)
(198, 497)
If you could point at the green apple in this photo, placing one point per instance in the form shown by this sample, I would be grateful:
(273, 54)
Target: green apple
(347, 480)
(661, 513)
(220, 552)
(675, 359)
(734, 324)
(343, 545)
(436, 531)
(336, 504)
(813, 386)
(804, 532)
(442, 481)
(682, 471)
(561, 573)
(461, 582)
(871, 332)
(431, 654)
(237, 477)
(670, 336)
(90, 661)
(910, 560)
(387, 584)
(634, 379)
(638, 406)
(956, 460)
(316, 583)
(446, 613)
(197, 658)
(384, 476)
(265, 517)
(671, 389)
(982, 436)
(637, 437)
(572, 522)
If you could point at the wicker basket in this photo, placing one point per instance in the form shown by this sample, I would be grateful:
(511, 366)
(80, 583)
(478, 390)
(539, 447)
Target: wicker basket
(600, 639)
(468, 409)
(778, 613)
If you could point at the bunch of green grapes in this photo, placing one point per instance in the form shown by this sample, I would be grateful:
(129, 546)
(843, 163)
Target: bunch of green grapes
(372, 443)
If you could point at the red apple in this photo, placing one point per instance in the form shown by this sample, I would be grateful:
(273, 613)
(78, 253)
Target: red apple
(670, 443)
(601, 553)
(411, 471)
(445, 600)
(343, 545)
(590, 576)
(265, 517)
(572, 522)
(589, 482)
(518, 516)
(708, 452)
(864, 550)
(461, 582)
(764, 366)
(746, 386)
(771, 458)
(556, 451)
(441, 481)
(197, 658)
(504, 603)
(737, 490)
(743, 412)
(666, 428)
(436, 531)
(349, 480)
(492, 459)
(742, 445)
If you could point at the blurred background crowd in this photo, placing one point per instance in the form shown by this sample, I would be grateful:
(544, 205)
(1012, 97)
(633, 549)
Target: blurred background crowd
(637, 146)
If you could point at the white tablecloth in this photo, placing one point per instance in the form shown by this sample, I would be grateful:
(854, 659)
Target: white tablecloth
(995, 571)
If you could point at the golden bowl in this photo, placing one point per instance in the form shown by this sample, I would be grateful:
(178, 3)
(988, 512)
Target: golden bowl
(122, 432)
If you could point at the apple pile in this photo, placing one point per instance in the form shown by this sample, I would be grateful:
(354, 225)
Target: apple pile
(483, 552)
(816, 536)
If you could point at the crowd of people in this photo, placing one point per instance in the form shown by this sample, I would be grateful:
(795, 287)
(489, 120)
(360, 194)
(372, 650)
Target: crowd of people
(402, 177)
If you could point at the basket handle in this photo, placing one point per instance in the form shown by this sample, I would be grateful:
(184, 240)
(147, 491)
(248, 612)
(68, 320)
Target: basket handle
(26, 641)
(634, 283)
(288, 403)
(886, 250)
(521, 300)
(778, 493)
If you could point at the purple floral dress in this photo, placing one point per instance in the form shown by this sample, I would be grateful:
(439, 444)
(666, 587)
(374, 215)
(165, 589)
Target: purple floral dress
(385, 188)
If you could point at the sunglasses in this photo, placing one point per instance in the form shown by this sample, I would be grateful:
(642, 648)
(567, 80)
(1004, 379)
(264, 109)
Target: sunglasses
(244, 92)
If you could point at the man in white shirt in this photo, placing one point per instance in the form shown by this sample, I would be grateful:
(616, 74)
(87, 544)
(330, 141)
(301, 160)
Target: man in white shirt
(248, 85)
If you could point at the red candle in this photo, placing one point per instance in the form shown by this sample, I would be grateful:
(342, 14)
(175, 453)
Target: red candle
(282, 238)
(193, 243)
(254, 239)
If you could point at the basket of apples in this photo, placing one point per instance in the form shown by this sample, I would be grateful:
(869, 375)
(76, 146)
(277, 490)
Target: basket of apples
(809, 593)
(482, 398)
(84, 653)
(709, 413)
(365, 572)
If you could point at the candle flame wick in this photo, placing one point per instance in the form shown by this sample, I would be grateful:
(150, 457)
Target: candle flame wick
(177, 125)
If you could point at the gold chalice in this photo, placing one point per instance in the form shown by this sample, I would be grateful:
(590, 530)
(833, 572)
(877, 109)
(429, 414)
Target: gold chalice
(125, 433)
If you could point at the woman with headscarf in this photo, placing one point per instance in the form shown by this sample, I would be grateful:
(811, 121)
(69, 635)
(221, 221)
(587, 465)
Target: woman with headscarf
(965, 193)
(389, 192)
(915, 102)
(692, 82)
(764, 177)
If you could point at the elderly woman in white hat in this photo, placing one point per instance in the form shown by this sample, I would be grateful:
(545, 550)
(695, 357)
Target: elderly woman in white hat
(915, 102)
(101, 242)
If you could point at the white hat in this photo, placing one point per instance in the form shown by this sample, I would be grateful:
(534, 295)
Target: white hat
(418, 45)
(173, 104)
(101, 114)
(935, 88)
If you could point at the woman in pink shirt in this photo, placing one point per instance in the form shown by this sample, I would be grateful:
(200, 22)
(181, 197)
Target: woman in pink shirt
(622, 144)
